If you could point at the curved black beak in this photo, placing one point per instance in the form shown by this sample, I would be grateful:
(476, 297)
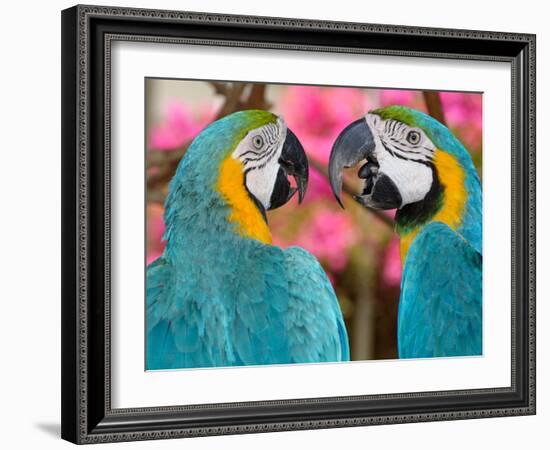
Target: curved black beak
(354, 144)
(293, 162)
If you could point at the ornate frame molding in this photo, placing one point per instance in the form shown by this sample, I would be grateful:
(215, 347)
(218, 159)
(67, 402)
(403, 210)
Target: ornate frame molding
(88, 32)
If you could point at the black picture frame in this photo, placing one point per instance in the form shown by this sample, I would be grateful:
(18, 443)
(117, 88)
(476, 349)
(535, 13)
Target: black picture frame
(87, 33)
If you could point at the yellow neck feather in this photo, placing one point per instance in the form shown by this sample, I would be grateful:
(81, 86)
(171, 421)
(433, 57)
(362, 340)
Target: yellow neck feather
(244, 213)
(451, 176)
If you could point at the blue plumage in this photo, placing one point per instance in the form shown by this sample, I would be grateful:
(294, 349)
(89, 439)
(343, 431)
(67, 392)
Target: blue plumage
(218, 298)
(440, 309)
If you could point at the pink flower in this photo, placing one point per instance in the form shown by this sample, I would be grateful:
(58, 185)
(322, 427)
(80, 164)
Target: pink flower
(317, 115)
(180, 126)
(155, 230)
(318, 187)
(402, 97)
(463, 113)
(391, 269)
(329, 235)
(322, 111)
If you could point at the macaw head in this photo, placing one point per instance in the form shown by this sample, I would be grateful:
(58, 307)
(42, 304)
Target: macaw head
(409, 161)
(266, 153)
(246, 160)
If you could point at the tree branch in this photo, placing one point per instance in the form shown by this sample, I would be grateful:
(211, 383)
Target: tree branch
(434, 106)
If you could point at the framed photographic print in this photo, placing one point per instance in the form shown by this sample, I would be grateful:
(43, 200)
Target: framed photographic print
(281, 224)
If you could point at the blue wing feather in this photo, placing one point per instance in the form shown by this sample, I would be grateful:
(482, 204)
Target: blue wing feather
(316, 327)
(279, 308)
(440, 308)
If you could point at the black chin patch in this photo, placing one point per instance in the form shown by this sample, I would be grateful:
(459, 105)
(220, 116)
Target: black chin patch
(384, 193)
(257, 203)
(281, 190)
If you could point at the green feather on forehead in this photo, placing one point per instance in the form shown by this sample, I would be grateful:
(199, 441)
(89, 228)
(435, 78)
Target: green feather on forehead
(245, 121)
(438, 133)
(400, 113)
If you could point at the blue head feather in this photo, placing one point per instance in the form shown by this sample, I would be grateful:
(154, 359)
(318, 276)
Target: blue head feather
(193, 204)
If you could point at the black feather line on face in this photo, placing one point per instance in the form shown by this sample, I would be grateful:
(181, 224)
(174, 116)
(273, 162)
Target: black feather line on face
(254, 199)
(267, 156)
(397, 144)
(415, 214)
(397, 155)
(250, 151)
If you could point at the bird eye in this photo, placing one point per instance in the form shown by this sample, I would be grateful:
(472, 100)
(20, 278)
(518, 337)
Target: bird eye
(413, 137)
(257, 141)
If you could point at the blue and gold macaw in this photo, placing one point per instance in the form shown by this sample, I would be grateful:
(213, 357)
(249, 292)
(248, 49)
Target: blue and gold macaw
(413, 163)
(221, 294)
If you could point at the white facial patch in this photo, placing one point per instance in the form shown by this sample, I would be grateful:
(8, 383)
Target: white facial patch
(405, 163)
(413, 180)
(259, 152)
